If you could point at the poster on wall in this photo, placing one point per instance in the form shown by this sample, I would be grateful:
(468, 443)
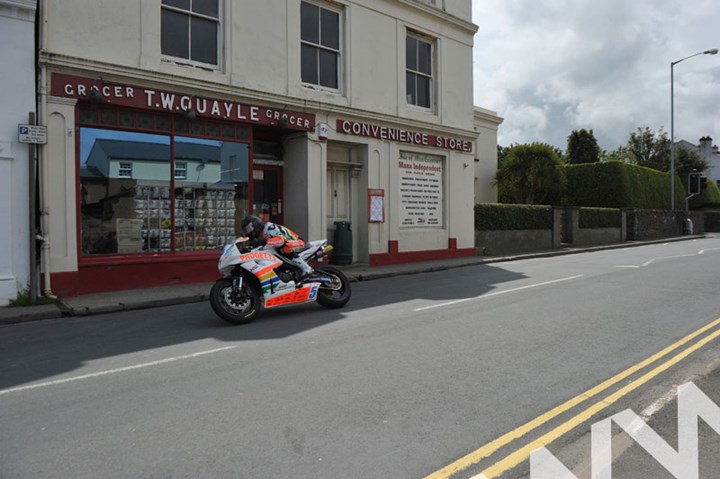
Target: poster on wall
(376, 205)
(421, 190)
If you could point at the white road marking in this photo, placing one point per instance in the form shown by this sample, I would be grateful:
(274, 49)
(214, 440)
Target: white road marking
(113, 371)
(497, 293)
(651, 261)
(649, 411)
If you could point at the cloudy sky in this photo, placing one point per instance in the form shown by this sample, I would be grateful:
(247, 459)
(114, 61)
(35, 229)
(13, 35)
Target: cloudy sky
(552, 66)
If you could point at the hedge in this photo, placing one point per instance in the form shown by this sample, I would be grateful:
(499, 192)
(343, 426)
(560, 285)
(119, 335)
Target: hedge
(497, 216)
(614, 184)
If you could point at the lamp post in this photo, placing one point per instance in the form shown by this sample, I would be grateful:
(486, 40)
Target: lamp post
(672, 122)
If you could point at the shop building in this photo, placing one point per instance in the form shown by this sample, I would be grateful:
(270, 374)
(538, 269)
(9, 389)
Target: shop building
(169, 121)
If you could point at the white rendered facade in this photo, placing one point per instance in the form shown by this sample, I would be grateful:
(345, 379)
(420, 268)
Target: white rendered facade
(17, 97)
(350, 142)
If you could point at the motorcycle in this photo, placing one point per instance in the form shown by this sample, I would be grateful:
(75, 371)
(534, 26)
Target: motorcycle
(256, 278)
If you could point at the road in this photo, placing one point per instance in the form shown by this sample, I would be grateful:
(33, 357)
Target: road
(414, 379)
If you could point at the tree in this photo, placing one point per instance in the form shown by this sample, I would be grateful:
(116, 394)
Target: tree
(688, 161)
(582, 147)
(502, 152)
(650, 149)
(620, 154)
(531, 174)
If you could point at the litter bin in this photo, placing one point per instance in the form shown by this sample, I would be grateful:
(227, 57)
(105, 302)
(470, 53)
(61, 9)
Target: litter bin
(342, 252)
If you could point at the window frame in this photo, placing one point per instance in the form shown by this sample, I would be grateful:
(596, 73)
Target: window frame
(340, 11)
(220, 38)
(419, 37)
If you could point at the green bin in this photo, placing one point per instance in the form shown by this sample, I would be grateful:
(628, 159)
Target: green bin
(342, 254)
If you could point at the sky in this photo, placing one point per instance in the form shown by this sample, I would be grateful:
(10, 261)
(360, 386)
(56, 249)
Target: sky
(549, 67)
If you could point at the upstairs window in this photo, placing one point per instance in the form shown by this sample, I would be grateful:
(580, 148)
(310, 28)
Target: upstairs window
(418, 73)
(125, 169)
(320, 45)
(190, 30)
(180, 170)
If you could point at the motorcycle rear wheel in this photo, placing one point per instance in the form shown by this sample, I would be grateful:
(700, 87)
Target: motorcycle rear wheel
(338, 296)
(236, 307)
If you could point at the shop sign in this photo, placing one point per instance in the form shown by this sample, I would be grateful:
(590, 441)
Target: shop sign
(80, 88)
(402, 135)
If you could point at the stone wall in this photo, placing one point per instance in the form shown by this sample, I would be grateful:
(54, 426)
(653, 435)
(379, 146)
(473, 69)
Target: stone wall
(636, 225)
(512, 241)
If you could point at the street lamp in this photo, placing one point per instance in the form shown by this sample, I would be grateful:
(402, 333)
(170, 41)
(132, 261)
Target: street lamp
(672, 122)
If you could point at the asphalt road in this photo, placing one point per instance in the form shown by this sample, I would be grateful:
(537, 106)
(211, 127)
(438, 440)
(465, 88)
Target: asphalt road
(417, 372)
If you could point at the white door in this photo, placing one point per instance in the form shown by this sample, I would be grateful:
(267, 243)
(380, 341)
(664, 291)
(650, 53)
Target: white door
(339, 188)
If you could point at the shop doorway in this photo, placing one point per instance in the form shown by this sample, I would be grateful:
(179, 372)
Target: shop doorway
(268, 193)
(343, 170)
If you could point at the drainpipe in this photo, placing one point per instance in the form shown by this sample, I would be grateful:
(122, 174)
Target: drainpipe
(32, 158)
(43, 235)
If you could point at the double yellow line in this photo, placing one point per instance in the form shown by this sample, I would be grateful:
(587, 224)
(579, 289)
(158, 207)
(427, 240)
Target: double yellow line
(522, 454)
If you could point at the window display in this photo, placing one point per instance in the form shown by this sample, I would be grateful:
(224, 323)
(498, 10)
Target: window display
(134, 201)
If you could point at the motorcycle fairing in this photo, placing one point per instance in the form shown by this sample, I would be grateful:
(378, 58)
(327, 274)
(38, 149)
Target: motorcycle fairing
(268, 279)
(257, 255)
(306, 293)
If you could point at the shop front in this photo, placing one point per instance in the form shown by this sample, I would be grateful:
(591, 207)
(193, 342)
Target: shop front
(162, 181)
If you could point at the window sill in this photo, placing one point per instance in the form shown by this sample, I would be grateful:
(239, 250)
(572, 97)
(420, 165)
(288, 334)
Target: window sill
(185, 63)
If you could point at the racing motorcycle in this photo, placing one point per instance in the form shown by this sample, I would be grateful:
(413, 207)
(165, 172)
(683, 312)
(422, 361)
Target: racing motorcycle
(257, 277)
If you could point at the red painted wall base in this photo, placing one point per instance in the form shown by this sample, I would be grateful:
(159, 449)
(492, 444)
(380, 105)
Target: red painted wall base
(393, 256)
(98, 276)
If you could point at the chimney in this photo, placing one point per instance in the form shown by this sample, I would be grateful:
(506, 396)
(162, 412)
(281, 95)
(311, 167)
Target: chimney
(706, 148)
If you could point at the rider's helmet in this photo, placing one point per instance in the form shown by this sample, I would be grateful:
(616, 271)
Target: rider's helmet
(252, 226)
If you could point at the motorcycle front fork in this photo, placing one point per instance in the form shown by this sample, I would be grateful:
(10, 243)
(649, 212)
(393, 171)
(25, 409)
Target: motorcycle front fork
(237, 284)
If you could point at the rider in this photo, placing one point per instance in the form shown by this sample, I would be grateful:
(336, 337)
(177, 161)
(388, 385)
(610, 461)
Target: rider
(259, 231)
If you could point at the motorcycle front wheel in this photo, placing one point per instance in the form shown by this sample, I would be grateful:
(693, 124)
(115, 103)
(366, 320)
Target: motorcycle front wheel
(337, 293)
(236, 307)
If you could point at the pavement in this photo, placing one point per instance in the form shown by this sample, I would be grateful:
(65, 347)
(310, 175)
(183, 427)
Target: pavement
(116, 301)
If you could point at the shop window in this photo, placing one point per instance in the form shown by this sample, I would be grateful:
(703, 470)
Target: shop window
(88, 115)
(127, 119)
(190, 30)
(108, 117)
(163, 123)
(418, 71)
(147, 193)
(210, 204)
(146, 121)
(320, 45)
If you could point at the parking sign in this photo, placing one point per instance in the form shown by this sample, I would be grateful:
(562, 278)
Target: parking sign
(32, 134)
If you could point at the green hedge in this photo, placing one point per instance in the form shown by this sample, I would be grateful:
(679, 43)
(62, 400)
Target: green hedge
(614, 184)
(496, 216)
(600, 218)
